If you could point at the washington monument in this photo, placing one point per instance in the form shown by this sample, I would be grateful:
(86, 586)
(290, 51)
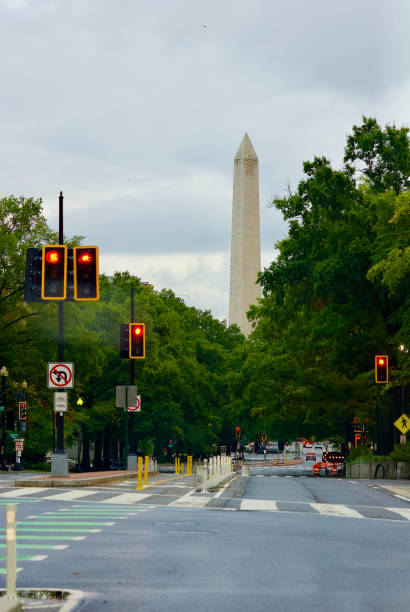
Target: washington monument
(245, 245)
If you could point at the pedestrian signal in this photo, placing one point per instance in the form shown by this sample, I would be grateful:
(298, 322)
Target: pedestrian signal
(53, 273)
(381, 368)
(86, 278)
(22, 411)
(136, 340)
(237, 432)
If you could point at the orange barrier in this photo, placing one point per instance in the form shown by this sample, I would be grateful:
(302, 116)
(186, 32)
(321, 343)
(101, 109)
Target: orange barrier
(316, 469)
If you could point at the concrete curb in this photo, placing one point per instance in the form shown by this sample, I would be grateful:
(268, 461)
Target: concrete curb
(77, 482)
(75, 597)
(216, 486)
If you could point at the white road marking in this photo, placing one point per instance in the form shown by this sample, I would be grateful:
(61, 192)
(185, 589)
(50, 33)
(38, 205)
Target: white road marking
(61, 546)
(401, 497)
(336, 510)
(79, 537)
(126, 498)
(189, 501)
(70, 495)
(405, 512)
(258, 504)
(23, 491)
(38, 557)
(353, 481)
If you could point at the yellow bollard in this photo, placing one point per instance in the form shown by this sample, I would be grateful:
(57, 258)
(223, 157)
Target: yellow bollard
(189, 466)
(176, 465)
(182, 468)
(179, 465)
(146, 470)
(139, 487)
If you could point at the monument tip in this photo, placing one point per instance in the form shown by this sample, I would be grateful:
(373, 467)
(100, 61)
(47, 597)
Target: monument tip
(246, 150)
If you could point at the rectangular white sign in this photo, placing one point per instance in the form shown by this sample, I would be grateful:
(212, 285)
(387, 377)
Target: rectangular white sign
(60, 401)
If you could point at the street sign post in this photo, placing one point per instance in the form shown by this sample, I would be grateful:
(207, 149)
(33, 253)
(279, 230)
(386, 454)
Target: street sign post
(60, 401)
(60, 376)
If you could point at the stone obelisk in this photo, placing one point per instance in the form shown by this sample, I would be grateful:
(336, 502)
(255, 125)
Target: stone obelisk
(245, 245)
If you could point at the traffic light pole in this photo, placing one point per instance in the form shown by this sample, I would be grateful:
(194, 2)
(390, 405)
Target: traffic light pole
(3, 423)
(130, 448)
(60, 415)
(59, 465)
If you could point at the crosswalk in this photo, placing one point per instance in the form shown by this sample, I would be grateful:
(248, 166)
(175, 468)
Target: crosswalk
(184, 496)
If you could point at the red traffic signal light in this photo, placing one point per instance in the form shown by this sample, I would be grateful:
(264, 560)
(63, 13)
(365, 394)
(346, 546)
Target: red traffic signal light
(136, 340)
(53, 272)
(22, 411)
(86, 276)
(381, 368)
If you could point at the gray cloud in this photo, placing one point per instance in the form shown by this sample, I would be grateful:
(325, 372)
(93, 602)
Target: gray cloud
(136, 109)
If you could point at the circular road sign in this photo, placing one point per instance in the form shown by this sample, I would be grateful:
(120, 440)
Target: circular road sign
(137, 407)
(60, 375)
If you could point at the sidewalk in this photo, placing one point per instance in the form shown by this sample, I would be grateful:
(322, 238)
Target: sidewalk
(82, 479)
(403, 490)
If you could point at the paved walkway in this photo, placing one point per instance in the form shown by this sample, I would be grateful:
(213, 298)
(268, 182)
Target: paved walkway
(82, 479)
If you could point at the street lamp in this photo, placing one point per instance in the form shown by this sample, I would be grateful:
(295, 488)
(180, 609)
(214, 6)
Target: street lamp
(3, 373)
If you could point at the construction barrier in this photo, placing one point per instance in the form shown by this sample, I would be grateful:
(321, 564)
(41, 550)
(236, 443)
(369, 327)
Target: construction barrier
(213, 471)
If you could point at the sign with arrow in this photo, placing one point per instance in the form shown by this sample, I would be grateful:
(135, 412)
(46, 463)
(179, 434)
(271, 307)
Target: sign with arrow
(60, 376)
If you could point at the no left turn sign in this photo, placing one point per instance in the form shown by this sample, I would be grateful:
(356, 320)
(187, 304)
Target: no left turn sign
(60, 376)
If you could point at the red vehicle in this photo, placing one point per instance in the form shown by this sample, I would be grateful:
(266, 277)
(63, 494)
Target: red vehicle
(310, 456)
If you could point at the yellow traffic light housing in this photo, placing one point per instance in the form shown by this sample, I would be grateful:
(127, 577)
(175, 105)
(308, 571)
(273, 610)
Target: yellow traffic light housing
(54, 272)
(86, 274)
(381, 368)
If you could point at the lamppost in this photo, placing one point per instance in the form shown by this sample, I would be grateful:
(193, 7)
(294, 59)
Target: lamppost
(3, 373)
(78, 467)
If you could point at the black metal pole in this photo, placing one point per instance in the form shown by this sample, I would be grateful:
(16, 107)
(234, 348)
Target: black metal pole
(3, 424)
(132, 383)
(60, 415)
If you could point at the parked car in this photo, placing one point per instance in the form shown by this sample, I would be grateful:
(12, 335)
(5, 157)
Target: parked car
(310, 456)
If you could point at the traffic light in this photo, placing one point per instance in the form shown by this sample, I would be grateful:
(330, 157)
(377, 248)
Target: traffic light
(22, 411)
(136, 341)
(237, 432)
(32, 285)
(86, 278)
(124, 341)
(54, 269)
(381, 368)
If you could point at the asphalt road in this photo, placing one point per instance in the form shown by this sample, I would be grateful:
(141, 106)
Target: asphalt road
(290, 543)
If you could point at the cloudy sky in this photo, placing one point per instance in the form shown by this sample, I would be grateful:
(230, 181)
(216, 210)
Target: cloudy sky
(136, 109)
